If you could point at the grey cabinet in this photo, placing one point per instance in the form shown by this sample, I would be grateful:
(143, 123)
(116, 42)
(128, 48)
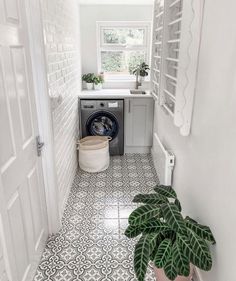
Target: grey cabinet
(138, 123)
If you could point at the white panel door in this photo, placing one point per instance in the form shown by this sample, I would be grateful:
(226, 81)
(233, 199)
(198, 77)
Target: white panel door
(3, 273)
(22, 198)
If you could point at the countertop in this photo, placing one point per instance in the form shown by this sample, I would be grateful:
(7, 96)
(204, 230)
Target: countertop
(112, 94)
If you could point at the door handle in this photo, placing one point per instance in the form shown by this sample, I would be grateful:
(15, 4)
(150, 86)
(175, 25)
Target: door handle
(129, 107)
(39, 145)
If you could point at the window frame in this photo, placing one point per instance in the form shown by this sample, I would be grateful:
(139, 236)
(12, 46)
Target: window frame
(101, 46)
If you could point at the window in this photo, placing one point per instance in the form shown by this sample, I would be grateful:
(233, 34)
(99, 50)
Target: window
(121, 47)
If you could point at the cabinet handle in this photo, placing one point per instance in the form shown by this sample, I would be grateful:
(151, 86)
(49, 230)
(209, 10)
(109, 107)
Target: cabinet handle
(129, 106)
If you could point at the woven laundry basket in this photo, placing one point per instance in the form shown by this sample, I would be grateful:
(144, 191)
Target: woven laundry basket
(94, 153)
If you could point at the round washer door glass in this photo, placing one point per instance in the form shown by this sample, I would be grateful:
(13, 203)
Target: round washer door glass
(102, 124)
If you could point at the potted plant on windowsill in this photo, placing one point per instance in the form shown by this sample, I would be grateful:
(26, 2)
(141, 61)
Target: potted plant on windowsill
(89, 80)
(174, 244)
(98, 81)
(142, 71)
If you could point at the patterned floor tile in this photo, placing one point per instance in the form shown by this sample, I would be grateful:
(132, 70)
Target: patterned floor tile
(125, 210)
(91, 245)
(109, 212)
(123, 224)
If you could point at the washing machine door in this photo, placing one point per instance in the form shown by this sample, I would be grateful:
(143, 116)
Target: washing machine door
(102, 123)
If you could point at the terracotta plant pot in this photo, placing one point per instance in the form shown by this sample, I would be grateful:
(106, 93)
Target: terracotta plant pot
(160, 275)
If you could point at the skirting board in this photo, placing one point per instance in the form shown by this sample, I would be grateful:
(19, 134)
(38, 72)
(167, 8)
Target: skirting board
(66, 196)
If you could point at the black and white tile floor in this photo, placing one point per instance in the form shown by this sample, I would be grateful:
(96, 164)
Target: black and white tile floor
(91, 245)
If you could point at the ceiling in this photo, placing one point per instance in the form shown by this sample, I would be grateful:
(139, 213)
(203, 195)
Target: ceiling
(116, 2)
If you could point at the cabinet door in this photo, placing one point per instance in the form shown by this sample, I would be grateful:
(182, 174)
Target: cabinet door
(138, 122)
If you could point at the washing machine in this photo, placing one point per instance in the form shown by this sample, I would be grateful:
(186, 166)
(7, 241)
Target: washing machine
(104, 118)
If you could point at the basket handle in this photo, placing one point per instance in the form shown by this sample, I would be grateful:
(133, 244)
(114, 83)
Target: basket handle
(79, 143)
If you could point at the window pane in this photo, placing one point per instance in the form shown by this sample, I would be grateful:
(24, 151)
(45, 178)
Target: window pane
(112, 61)
(134, 59)
(121, 62)
(124, 36)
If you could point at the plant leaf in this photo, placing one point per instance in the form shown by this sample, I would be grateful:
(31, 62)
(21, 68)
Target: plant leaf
(202, 256)
(152, 255)
(153, 241)
(143, 214)
(150, 198)
(154, 226)
(173, 217)
(169, 267)
(202, 231)
(196, 250)
(132, 231)
(184, 243)
(157, 243)
(178, 204)
(190, 219)
(166, 191)
(182, 262)
(163, 252)
(142, 252)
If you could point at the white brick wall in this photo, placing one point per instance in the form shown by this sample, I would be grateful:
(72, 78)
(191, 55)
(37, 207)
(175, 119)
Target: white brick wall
(61, 36)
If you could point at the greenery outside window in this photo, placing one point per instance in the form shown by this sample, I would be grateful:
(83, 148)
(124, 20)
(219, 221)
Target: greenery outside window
(121, 47)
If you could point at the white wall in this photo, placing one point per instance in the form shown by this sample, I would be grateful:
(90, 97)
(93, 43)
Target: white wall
(3, 273)
(205, 172)
(61, 35)
(90, 14)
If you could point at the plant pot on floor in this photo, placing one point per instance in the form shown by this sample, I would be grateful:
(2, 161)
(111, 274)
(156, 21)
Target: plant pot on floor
(98, 86)
(160, 275)
(89, 86)
(167, 239)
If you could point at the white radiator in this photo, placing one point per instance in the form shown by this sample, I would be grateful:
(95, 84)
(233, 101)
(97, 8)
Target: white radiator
(163, 160)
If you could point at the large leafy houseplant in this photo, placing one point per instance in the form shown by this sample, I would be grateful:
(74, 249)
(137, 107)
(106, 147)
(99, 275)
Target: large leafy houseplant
(167, 239)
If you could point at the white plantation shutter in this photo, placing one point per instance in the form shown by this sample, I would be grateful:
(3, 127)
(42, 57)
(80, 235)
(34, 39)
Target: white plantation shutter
(176, 37)
(158, 27)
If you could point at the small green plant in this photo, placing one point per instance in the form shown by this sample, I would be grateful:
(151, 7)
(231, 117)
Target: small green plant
(98, 79)
(167, 239)
(88, 78)
(141, 70)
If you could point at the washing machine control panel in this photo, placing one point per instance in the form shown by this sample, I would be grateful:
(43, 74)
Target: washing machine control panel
(101, 104)
(88, 106)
